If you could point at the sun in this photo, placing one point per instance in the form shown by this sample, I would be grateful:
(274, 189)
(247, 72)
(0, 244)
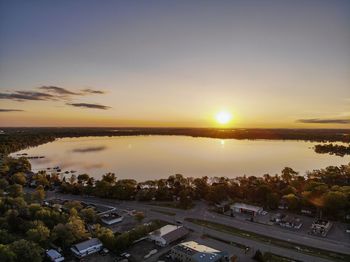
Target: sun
(223, 117)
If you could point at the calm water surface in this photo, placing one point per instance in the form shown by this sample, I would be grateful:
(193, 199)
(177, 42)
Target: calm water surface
(150, 157)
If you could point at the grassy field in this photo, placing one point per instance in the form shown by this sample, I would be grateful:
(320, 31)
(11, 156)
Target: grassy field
(172, 205)
(232, 243)
(335, 256)
(168, 213)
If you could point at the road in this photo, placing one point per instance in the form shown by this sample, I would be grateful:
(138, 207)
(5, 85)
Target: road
(201, 212)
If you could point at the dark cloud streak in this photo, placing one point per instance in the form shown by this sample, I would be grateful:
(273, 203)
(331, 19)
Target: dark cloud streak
(324, 121)
(47, 93)
(27, 95)
(86, 105)
(92, 91)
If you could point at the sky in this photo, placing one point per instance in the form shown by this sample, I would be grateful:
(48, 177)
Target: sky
(271, 64)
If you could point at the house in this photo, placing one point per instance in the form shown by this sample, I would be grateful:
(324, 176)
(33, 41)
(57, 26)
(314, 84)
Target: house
(111, 218)
(246, 209)
(194, 252)
(54, 255)
(167, 234)
(87, 247)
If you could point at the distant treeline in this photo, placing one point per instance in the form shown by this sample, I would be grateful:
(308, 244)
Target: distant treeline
(15, 139)
(326, 190)
(339, 150)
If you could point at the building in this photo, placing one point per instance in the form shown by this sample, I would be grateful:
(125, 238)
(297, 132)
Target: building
(87, 247)
(111, 218)
(193, 252)
(54, 255)
(246, 209)
(167, 234)
(320, 227)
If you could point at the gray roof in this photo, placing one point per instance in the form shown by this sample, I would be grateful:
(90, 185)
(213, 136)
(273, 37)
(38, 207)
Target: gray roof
(52, 253)
(88, 243)
(176, 234)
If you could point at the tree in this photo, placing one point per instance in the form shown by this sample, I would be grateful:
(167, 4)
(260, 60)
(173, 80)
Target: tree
(15, 190)
(3, 183)
(335, 203)
(39, 193)
(39, 234)
(105, 235)
(288, 174)
(89, 215)
(25, 250)
(293, 201)
(63, 235)
(19, 178)
(6, 254)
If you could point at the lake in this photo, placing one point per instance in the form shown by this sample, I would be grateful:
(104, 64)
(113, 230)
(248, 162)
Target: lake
(151, 157)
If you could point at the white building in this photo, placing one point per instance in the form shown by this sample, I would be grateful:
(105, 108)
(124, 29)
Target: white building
(167, 234)
(54, 255)
(193, 252)
(87, 247)
(111, 218)
(246, 209)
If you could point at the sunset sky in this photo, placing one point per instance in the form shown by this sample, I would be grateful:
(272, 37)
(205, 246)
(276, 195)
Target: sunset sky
(175, 63)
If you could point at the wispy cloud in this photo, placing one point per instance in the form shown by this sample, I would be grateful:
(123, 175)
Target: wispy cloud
(86, 105)
(92, 91)
(48, 93)
(27, 95)
(58, 90)
(324, 121)
(10, 110)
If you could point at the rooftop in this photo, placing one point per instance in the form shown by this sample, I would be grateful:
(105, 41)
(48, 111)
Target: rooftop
(53, 254)
(164, 230)
(246, 206)
(88, 243)
(200, 252)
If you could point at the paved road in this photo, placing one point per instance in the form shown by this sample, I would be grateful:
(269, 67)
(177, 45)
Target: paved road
(201, 212)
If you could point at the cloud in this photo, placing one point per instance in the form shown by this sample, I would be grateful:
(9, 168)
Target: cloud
(11, 110)
(58, 90)
(27, 95)
(47, 93)
(86, 105)
(324, 121)
(92, 91)
(89, 149)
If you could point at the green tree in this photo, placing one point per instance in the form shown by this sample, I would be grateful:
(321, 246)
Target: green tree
(89, 215)
(39, 194)
(25, 250)
(39, 234)
(6, 254)
(19, 178)
(15, 190)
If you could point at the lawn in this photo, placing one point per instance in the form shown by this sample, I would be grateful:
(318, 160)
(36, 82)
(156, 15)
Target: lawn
(168, 213)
